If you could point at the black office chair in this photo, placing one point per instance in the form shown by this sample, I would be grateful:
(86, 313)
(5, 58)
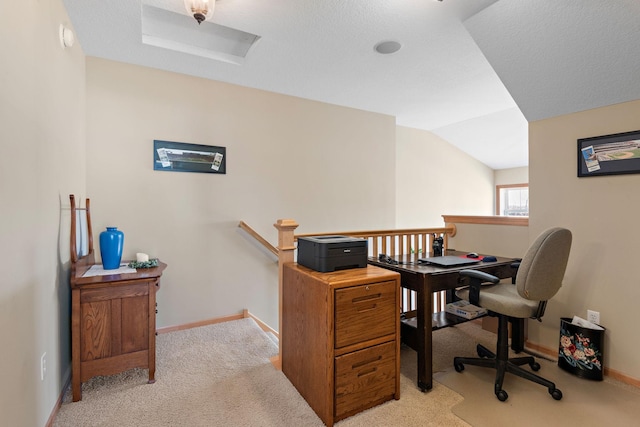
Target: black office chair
(538, 279)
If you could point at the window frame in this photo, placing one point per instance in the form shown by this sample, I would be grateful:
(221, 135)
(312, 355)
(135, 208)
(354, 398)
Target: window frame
(504, 186)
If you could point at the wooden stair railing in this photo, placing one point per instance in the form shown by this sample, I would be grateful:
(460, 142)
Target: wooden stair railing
(389, 242)
(251, 232)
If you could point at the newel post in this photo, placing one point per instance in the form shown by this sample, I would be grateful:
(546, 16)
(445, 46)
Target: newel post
(286, 246)
(451, 232)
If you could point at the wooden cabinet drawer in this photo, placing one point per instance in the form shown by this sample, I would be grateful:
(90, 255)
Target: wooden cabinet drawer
(364, 378)
(365, 312)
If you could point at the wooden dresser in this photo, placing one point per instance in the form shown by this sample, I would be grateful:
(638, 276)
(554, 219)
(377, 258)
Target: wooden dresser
(113, 317)
(340, 338)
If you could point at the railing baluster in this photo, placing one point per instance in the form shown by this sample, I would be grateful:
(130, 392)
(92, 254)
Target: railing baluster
(393, 245)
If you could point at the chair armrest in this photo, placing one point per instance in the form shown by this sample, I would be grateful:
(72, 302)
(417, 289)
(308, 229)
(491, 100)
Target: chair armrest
(481, 276)
(477, 279)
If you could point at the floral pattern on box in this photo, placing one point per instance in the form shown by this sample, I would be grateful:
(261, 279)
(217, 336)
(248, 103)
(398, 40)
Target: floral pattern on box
(578, 351)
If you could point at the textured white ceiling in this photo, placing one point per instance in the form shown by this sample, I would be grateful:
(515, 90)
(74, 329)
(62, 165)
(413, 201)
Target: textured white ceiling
(561, 56)
(439, 81)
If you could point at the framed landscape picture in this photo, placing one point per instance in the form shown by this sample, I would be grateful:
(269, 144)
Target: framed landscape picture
(183, 157)
(609, 154)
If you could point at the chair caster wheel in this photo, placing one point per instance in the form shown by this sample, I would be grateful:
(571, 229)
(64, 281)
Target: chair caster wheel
(502, 395)
(555, 393)
(535, 366)
(459, 367)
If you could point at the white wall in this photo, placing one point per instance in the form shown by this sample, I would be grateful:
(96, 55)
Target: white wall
(42, 116)
(286, 158)
(436, 178)
(602, 214)
(512, 176)
(499, 240)
(330, 168)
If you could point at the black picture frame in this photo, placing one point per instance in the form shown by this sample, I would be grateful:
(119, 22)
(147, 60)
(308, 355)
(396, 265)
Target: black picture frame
(184, 157)
(613, 154)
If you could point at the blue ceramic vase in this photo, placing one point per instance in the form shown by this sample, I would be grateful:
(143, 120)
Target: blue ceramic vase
(111, 245)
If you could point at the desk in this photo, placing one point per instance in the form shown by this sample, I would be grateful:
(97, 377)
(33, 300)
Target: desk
(113, 323)
(425, 280)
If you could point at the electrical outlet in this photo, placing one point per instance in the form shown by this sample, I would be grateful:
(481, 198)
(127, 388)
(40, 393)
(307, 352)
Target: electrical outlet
(43, 366)
(593, 316)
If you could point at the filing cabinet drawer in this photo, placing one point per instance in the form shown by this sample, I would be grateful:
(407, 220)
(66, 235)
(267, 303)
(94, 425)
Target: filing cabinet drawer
(365, 312)
(365, 378)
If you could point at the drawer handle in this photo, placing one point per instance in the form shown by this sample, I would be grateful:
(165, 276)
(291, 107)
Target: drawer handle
(365, 362)
(362, 309)
(366, 297)
(370, 371)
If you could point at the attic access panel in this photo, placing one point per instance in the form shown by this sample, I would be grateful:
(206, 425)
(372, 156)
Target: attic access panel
(181, 33)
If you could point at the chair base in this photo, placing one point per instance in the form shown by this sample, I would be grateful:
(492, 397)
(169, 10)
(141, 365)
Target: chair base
(502, 364)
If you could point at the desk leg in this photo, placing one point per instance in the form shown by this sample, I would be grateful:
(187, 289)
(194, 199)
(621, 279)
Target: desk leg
(425, 370)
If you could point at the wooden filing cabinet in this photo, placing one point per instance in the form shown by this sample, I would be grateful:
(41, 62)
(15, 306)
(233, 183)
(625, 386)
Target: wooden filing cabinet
(340, 338)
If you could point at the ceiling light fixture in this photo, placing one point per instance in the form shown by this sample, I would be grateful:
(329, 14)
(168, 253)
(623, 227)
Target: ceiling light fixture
(201, 10)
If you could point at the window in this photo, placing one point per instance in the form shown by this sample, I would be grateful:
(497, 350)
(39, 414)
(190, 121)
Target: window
(512, 200)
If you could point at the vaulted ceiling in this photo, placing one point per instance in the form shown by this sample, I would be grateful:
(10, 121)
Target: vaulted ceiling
(473, 72)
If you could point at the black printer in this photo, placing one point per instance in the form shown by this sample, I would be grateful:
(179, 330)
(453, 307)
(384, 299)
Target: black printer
(330, 253)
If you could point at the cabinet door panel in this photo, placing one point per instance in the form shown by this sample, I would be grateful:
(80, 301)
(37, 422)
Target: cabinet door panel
(95, 328)
(135, 324)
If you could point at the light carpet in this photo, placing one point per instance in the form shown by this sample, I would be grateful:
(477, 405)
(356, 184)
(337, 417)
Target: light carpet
(220, 375)
(585, 402)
